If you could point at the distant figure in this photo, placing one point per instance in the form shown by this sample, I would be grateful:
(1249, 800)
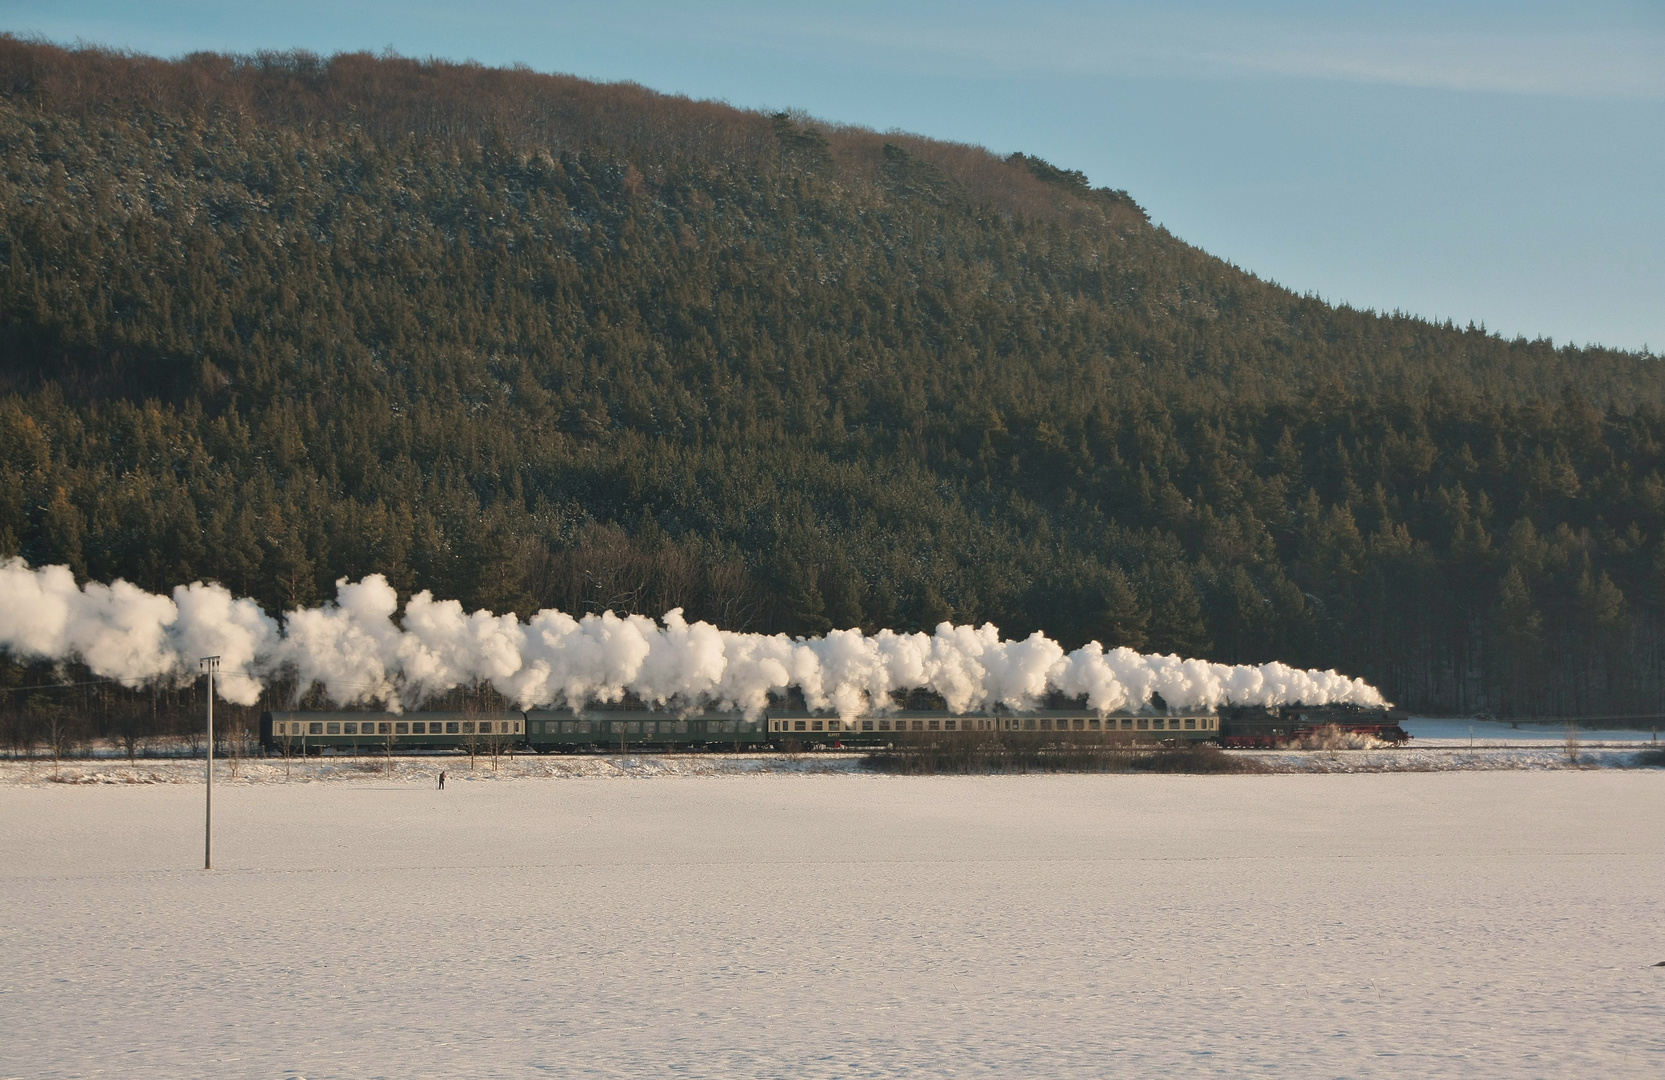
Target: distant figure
(442, 779)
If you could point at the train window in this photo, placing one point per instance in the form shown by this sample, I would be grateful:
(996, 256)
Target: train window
(932, 725)
(948, 725)
(401, 728)
(1029, 723)
(349, 729)
(1190, 723)
(450, 727)
(867, 725)
(315, 728)
(815, 725)
(634, 727)
(800, 725)
(884, 725)
(468, 727)
(332, 728)
(681, 726)
(1143, 723)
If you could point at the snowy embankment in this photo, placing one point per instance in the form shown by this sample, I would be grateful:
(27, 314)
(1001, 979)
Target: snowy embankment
(1478, 925)
(420, 770)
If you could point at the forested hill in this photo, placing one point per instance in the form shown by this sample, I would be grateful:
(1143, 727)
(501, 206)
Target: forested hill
(527, 340)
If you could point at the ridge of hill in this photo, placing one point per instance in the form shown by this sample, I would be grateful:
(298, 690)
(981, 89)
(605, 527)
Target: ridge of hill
(528, 340)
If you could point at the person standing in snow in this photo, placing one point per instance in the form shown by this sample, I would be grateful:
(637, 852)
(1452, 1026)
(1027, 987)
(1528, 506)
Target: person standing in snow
(442, 779)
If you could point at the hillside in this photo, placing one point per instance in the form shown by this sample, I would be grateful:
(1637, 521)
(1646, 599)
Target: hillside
(527, 341)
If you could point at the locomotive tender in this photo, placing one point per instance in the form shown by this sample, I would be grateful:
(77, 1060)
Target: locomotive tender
(599, 728)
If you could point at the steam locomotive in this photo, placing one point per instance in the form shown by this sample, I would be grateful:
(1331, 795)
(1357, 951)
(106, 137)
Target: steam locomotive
(602, 728)
(1283, 725)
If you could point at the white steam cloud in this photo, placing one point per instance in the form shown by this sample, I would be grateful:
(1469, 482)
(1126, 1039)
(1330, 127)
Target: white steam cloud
(357, 651)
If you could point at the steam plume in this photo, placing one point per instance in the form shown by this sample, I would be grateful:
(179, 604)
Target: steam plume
(357, 651)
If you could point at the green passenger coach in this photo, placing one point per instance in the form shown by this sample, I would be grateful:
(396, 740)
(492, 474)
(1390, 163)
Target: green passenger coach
(604, 728)
(305, 732)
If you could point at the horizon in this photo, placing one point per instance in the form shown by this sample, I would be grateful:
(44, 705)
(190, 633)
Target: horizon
(1479, 170)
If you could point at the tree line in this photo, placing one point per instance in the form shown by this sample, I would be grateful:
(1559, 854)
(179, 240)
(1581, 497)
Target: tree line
(528, 341)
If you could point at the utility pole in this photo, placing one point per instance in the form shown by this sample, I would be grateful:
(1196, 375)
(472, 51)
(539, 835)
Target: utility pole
(210, 664)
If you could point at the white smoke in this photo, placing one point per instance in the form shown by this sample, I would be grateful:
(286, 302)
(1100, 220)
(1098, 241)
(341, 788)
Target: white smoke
(357, 649)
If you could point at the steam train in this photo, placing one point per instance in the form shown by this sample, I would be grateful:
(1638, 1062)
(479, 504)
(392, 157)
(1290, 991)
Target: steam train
(606, 728)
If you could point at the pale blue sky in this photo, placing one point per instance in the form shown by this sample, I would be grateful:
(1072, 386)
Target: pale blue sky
(1495, 162)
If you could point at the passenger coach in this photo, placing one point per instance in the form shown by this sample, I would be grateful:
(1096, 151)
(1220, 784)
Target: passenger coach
(602, 728)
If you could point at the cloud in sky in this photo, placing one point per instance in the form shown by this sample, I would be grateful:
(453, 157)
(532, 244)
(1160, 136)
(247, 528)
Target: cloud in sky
(1136, 42)
(1592, 50)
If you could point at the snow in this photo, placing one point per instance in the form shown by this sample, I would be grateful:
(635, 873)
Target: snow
(751, 922)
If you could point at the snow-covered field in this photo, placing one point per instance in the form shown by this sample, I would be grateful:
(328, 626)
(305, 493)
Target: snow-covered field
(763, 924)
